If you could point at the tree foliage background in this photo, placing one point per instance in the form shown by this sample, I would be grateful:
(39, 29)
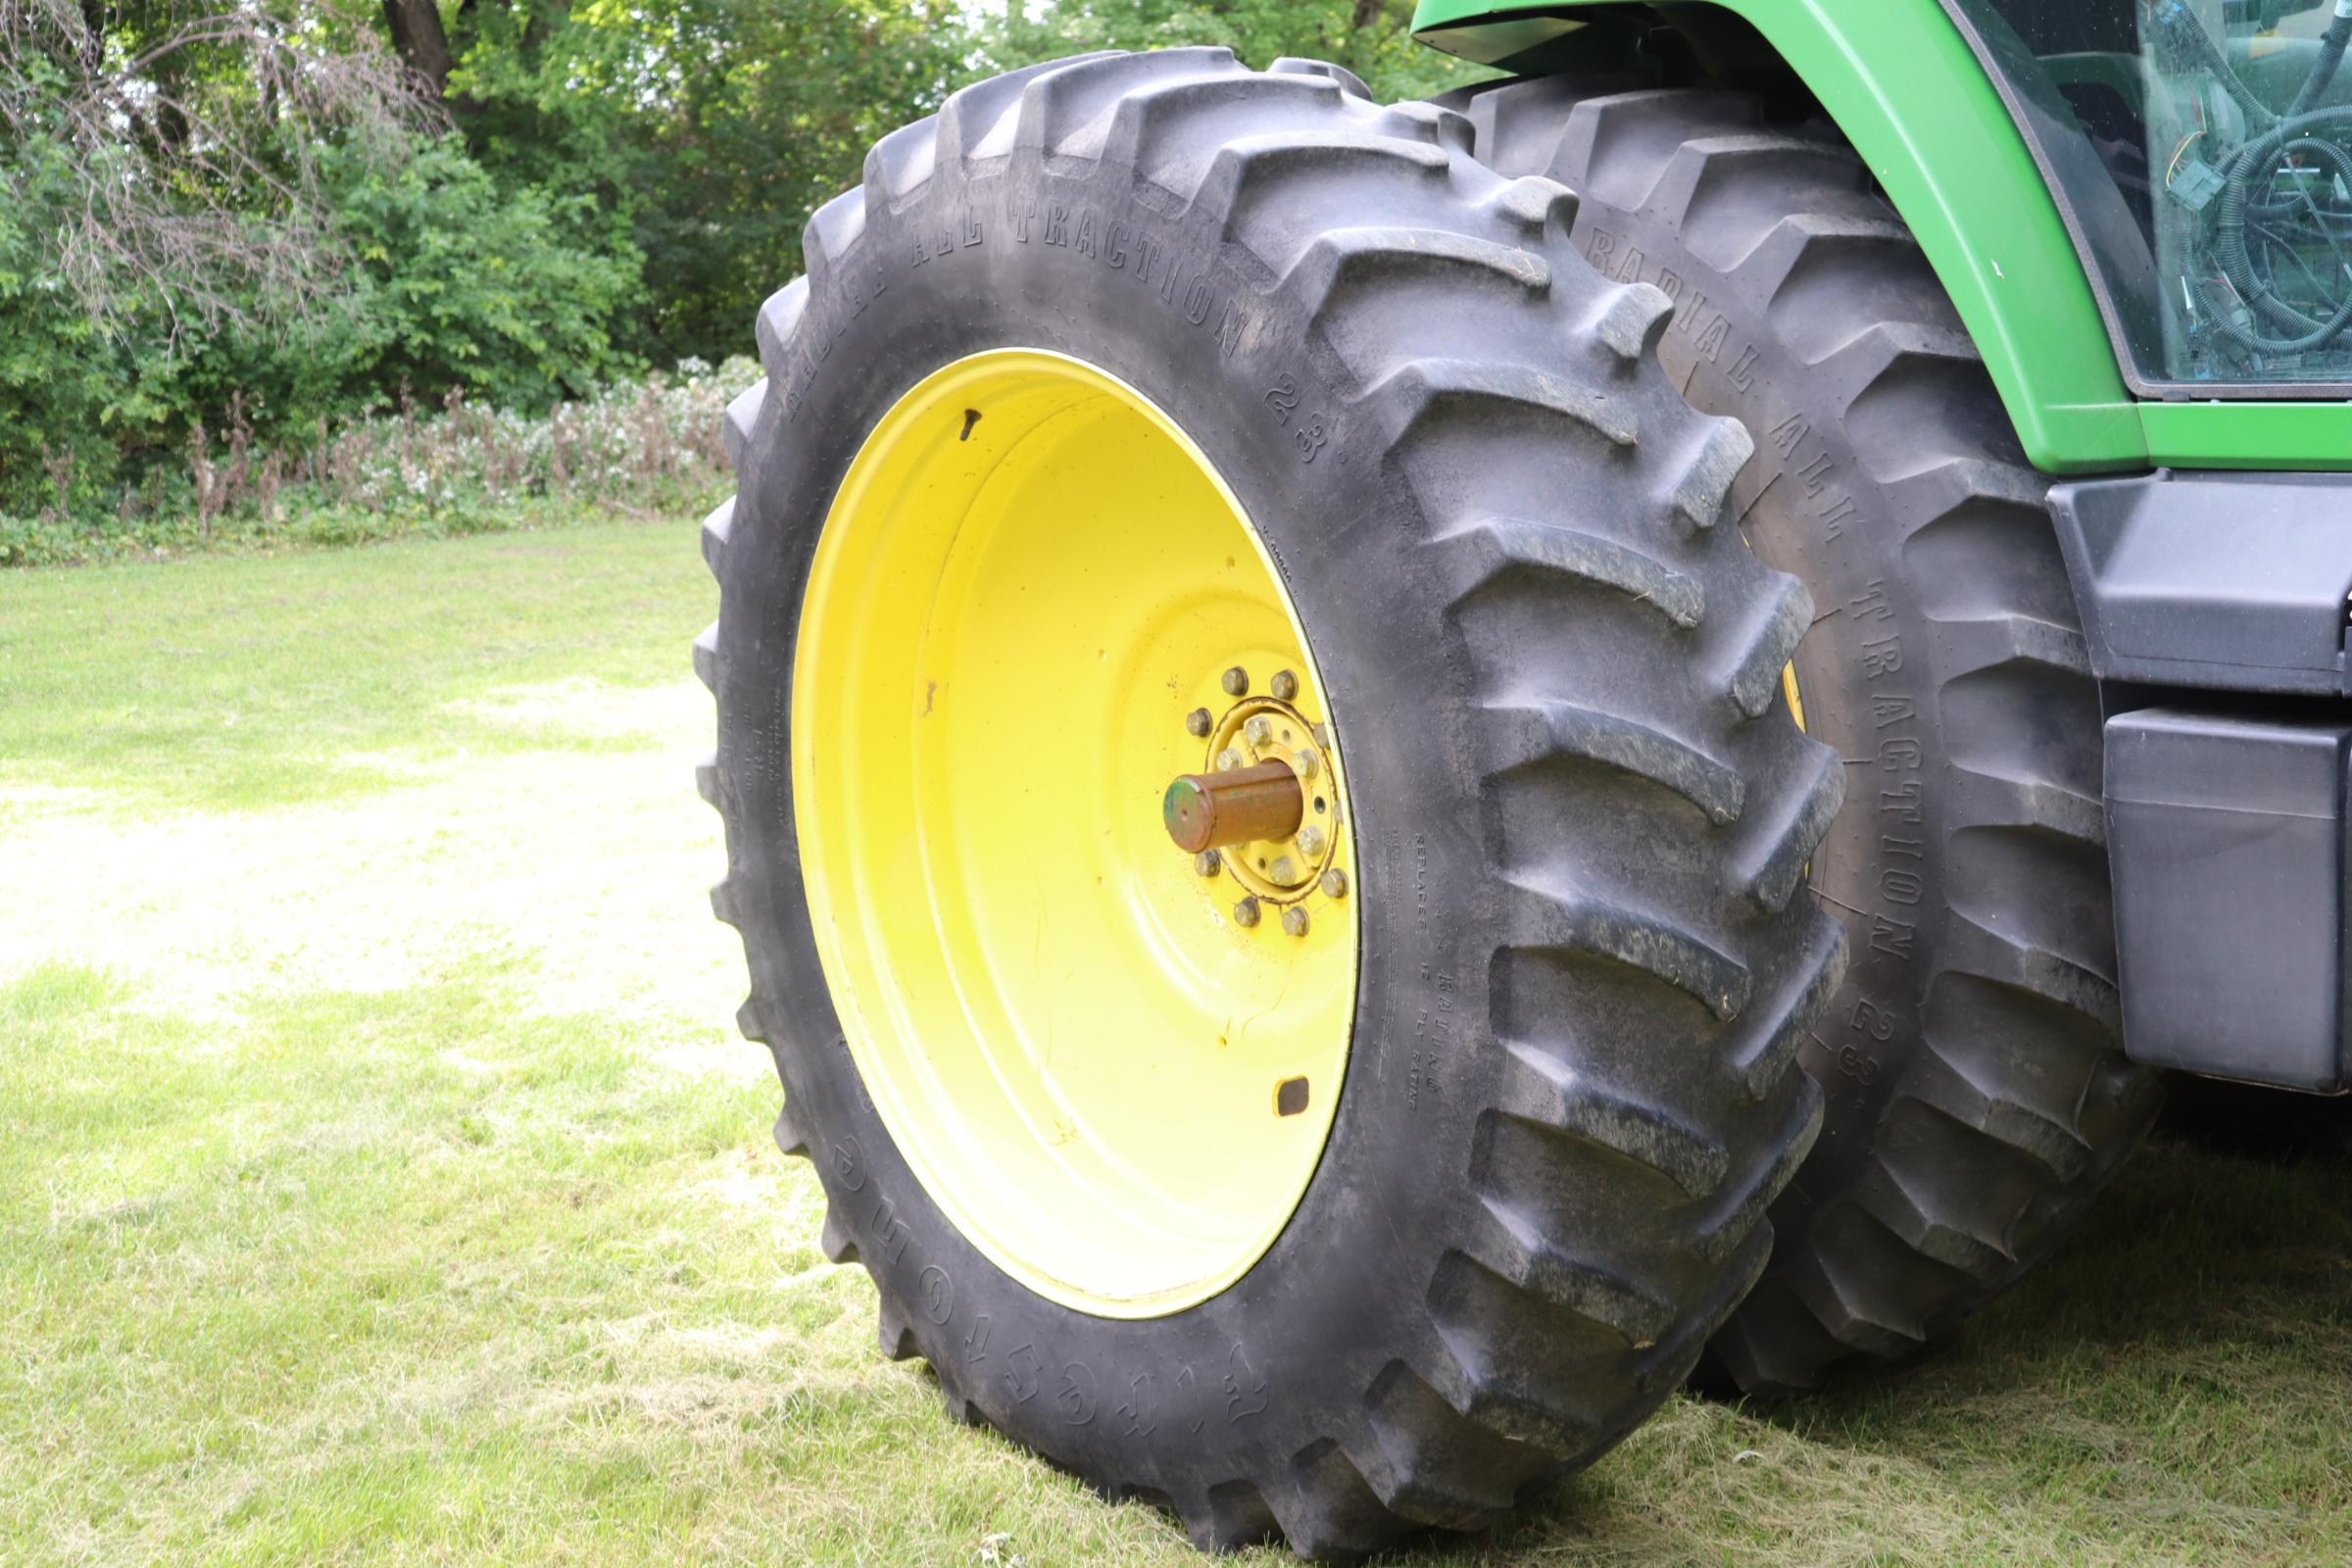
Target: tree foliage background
(230, 225)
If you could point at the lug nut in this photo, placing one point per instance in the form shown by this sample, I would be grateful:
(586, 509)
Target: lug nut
(1227, 759)
(1293, 920)
(1284, 870)
(1285, 686)
(1335, 883)
(1245, 913)
(1310, 841)
(1304, 762)
(1198, 722)
(1236, 682)
(1207, 862)
(1257, 731)
(1322, 735)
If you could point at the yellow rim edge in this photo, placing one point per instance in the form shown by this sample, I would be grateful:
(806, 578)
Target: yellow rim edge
(1029, 577)
(1788, 688)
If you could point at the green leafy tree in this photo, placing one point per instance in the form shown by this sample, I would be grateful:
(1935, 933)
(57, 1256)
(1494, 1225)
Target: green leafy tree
(243, 220)
(708, 131)
(232, 226)
(713, 127)
(62, 387)
(459, 284)
(158, 181)
(1371, 37)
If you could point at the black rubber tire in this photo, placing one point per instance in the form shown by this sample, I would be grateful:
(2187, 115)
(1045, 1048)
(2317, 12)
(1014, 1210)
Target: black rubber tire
(1582, 811)
(1978, 1094)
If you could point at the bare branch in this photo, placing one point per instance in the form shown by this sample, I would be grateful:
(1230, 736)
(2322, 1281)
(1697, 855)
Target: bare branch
(223, 217)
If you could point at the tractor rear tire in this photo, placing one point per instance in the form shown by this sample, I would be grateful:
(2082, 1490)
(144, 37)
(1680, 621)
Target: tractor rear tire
(1978, 1092)
(1580, 805)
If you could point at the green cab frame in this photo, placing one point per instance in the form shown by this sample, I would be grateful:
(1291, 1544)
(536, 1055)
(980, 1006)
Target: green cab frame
(1902, 83)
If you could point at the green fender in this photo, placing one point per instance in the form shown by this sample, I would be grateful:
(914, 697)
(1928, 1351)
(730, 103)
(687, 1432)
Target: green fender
(1909, 94)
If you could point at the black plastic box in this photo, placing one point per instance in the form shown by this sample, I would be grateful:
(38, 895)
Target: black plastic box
(2227, 836)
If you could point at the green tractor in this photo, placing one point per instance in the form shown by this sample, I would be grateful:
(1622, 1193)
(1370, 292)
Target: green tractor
(1394, 774)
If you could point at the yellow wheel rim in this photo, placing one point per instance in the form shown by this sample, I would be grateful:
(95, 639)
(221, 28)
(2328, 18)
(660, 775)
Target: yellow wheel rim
(1018, 628)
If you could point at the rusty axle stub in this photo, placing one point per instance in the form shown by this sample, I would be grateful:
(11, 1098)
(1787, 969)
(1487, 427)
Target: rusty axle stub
(1234, 805)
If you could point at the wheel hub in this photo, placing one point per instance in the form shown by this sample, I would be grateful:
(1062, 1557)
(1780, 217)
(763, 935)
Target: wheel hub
(1262, 802)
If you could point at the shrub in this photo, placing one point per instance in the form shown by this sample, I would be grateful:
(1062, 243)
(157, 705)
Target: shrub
(643, 449)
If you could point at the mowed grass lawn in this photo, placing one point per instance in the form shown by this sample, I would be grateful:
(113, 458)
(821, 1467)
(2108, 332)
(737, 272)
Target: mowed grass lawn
(381, 1179)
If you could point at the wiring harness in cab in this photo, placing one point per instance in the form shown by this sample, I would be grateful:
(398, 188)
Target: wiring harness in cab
(2272, 260)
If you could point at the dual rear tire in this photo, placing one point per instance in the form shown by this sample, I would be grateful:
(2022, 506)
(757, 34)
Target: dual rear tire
(1598, 887)
(1978, 1094)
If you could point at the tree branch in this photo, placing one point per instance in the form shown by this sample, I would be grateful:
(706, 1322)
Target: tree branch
(167, 181)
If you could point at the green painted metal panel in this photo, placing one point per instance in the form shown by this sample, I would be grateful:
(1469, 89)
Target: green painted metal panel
(1907, 91)
(2249, 435)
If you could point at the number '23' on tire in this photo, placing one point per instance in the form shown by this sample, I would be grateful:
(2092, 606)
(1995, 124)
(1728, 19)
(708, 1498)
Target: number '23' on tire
(1258, 799)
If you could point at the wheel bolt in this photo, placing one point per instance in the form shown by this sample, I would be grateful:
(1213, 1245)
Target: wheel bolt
(1305, 763)
(1245, 913)
(1310, 841)
(1236, 682)
(1335, 883)
(1293, 920)
(1257, 731)
(1227, 759)
(1322, 735)
(1285, 686)
(1207, 862)
(1198, 722)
